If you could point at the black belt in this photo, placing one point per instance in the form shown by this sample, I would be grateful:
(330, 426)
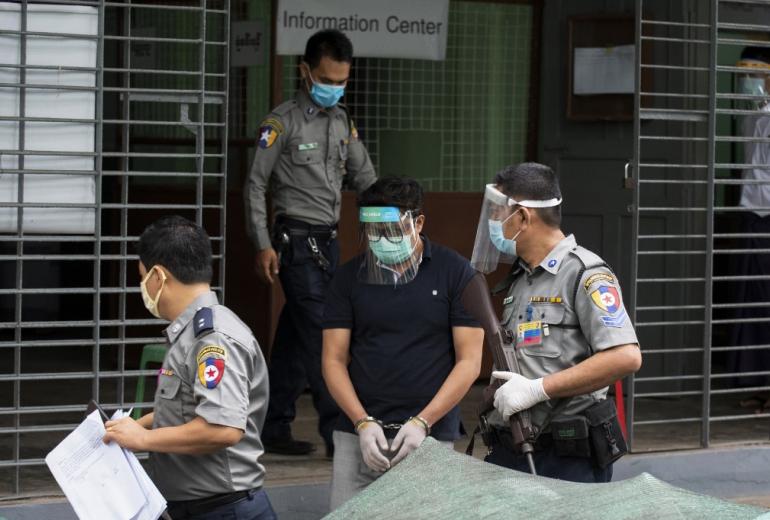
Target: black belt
(183, 508)
(504, 438)
(303, 229)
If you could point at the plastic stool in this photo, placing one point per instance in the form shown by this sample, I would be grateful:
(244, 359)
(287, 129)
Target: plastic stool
(151, 353)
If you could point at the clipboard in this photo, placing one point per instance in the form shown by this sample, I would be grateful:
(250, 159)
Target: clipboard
(93, 405)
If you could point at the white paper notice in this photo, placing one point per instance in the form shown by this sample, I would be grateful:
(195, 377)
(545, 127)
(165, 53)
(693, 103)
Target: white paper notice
(96, 478)
(603, 70)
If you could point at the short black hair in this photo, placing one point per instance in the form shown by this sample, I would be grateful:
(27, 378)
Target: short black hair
(532, 181)
(402, 192)
(179, 245)
(756, 53)
(330, 43)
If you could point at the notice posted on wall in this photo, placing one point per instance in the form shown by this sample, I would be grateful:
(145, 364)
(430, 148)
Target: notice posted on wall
(603, 70)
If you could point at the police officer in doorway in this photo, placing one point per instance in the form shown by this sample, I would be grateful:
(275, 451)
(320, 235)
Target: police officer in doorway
(308, 148)
(750, 321)
(565, 322)
(211, 401)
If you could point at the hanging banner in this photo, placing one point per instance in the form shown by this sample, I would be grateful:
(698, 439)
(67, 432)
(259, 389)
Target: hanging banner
(378, 29)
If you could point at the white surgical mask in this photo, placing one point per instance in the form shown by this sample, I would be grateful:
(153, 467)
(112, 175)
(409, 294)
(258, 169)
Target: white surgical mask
(152, 303)
(752, 86)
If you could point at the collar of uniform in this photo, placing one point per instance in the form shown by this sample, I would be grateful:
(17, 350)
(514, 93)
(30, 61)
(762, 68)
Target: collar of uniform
(552, 261)
(178, 325)
(309, 109)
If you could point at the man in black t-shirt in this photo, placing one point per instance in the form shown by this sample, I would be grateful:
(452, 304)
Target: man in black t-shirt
(399, 349)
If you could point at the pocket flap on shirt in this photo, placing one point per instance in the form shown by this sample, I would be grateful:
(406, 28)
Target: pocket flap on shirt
(168, 386)
(551, 313)
(306, 156)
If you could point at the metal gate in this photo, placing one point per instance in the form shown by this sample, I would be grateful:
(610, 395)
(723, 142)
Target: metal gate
(701, 309)
(112, 114)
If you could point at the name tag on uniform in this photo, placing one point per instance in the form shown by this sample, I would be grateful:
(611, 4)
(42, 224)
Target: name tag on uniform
(307, 146)
(530, 334)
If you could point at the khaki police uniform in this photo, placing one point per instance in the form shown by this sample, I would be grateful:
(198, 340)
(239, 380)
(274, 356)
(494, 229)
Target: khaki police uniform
(305, 153)
(559, 314)
(214, 369)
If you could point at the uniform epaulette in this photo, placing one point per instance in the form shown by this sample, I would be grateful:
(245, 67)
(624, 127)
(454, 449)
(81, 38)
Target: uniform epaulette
(203, 321)
(285, 107)
(589, 259)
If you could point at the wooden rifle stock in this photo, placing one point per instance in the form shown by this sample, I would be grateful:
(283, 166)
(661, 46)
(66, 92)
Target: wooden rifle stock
(477, 303)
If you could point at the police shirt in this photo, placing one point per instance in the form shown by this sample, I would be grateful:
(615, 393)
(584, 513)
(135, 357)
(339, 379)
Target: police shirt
(401, 345)
(306, 153)
(214, 369)
(757, 195)
(557, 320)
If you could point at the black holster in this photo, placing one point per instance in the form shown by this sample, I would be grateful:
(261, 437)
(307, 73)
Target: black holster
(607, 438)
(595, 433)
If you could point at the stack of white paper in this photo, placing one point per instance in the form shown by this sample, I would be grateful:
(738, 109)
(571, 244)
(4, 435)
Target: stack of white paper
(103, 481)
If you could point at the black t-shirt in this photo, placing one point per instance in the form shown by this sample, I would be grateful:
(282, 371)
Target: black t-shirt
(401, 345)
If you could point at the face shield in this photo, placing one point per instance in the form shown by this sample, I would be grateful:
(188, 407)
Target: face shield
(751, 85)
(390, 238)
(491, 247)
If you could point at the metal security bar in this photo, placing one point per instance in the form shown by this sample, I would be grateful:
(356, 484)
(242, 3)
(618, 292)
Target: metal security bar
(700, 309)
(449, 123)
(112, 114)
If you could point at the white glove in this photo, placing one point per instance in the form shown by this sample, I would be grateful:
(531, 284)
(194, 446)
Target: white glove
(408, 438)
(372, 441)
(518, 394)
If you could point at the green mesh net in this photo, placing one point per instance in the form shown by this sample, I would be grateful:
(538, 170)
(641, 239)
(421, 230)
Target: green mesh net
(435, 482)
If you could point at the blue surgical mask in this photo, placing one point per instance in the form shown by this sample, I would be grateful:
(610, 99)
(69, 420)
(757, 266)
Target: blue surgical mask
(392, 254)
(506, 246)
(325, 96)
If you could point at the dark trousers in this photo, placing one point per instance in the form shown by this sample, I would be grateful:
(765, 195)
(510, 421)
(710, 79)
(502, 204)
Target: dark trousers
(748, 292)
(295, 359)
(256, 506)
(549, 464)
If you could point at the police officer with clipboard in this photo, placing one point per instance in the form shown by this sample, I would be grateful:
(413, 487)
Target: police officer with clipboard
(211, 400)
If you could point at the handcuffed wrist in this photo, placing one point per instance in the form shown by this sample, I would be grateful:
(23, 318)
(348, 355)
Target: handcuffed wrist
(422, 422)
(364, 422)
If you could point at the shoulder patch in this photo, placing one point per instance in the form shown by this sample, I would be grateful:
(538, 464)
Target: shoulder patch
(598, 277)
(203, 321)
(211, 351)
(211, 365)
(269, 131)
(275, 123)
(615, 321)
(607, 299)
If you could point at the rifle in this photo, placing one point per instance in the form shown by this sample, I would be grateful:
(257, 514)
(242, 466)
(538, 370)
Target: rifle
(477, 303)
